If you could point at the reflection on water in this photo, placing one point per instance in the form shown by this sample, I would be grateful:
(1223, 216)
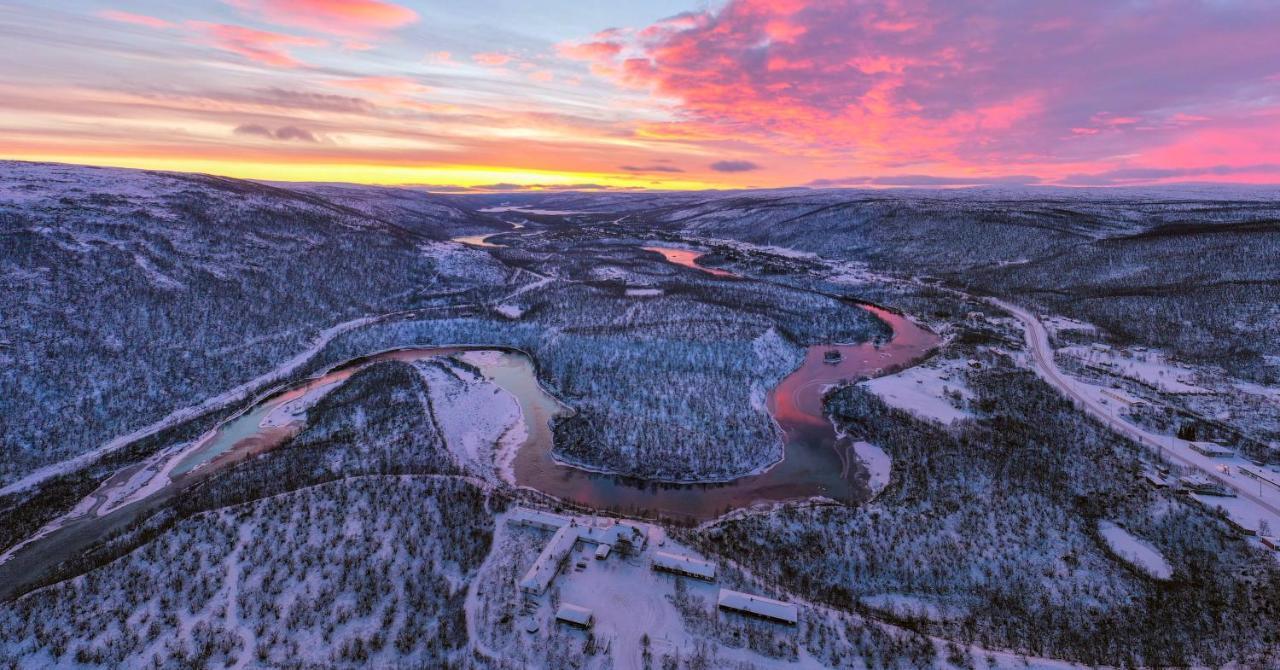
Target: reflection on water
(478, 240)
(686, 258)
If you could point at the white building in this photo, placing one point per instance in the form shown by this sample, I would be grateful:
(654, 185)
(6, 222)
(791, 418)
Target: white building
(759, 606)
(547, 565)
(1211, 449)
(575, 615)
(523, 516)
(606, 533)
(684, 565)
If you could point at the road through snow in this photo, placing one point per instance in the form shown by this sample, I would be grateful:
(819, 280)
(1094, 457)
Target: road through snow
(1037, 337)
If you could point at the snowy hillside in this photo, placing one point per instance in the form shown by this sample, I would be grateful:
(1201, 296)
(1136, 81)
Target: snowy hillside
(128, 294)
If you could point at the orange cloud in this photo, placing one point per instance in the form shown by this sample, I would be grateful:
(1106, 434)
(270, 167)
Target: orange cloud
(339, 17)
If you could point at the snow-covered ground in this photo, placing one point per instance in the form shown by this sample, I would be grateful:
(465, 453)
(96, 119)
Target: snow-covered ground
(627, 598)
(509, 311)
(926, 390)
(481, 422)
(878, 464)
(1254, 504)
(530, 210)
(1138, 552)
(1146, 367)
(1060, 324)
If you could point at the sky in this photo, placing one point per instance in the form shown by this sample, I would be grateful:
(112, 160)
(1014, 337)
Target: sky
(665, 94)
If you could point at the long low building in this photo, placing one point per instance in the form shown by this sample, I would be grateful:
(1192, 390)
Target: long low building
(1211, 449)
(575, 615)
(684, 565)
(523, 516)
(759, 606)
(548, 563)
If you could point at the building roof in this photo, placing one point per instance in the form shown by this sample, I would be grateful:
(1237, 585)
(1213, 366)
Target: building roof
(759, 605)
(1210, 448)
(613, 532)
(574, 614)
(524, 515)
(668, 561)
(545, 567)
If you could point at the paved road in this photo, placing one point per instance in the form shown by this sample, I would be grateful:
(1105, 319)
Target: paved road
(1042, 355)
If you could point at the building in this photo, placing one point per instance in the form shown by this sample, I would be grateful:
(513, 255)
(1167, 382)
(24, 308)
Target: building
(1211, 449)
(532, 518)
(1265, 478)
(613, 532)
(1124, 398)
(684, 565)
(548, 564)
(607, 534)
(579, 617)
(1197, 483)
(1156, 480)
(759, 606)
(1273, 542)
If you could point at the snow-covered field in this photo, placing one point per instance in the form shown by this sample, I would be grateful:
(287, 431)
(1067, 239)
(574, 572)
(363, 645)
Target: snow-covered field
(927, 390)
(1135, 550)
(878, 464)
(628, 599)
(1147, 367)
(481, 422)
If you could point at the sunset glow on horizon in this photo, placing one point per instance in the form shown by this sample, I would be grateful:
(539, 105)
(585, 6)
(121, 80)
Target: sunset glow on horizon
(674, 94)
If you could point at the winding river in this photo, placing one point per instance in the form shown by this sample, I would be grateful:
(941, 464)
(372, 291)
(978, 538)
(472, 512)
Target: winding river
(815, 463)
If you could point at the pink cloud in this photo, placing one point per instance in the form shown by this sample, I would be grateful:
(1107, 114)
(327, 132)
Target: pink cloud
(598, 50)
(384, 85)
(135, 19)
(261, 46)
(960, 83)
(492, 59)
(338, 17)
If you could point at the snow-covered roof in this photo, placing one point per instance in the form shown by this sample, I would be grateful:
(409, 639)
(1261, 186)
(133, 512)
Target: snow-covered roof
(663, 560)
(574, 614)
(545, 567)
(759, 606)
(613, 532)
(1211, 448)
(533, 517)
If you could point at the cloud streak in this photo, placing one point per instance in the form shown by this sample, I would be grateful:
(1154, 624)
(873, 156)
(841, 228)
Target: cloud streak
(336, 17)
(261, 46)
(734, 166)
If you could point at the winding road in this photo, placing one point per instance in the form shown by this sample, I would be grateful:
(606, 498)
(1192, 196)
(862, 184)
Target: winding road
(1037, 337)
